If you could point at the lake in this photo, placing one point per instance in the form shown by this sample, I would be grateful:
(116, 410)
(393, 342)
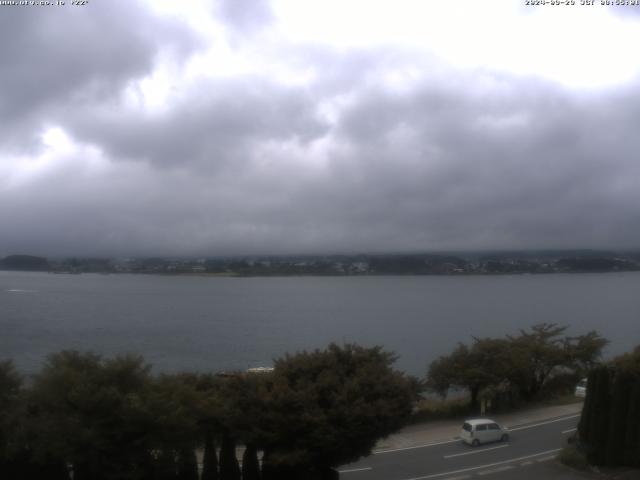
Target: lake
(224, 323)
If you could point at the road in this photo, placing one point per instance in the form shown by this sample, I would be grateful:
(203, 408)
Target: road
(529, 445)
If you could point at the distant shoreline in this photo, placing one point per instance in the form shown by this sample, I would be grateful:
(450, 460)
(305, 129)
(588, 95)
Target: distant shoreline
(338, 275)
(505, 263)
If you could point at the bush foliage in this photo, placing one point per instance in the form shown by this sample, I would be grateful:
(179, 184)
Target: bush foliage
(537, 363)
(105, 419)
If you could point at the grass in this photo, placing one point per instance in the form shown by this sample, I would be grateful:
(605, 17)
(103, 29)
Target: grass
(574, 458)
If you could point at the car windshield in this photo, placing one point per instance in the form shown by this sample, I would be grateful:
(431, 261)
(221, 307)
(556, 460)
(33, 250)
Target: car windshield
(466, 427)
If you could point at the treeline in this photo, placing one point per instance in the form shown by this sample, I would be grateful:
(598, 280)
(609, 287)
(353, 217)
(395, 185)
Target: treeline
(609, 429)
(313, 265)
(502, 372)
(24, 263)
(91, 418)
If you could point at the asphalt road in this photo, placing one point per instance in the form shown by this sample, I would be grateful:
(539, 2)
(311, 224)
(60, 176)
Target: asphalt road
(528, 447)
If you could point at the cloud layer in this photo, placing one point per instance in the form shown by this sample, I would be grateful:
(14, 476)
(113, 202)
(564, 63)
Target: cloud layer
(151, 133)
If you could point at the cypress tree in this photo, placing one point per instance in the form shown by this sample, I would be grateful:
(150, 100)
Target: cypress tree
(166, 465)
(210, 459)
(631, 454)
(187, 464)
(586, 418)
(229, 468)
(250, 464)
(267, 470)
(622, 385)
(598, 428)
(28, 468)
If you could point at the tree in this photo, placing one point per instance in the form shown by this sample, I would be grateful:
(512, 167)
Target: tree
(485, 364)
(10, 450)
(583, 352)
(537, 352)
(24, 262)
(250, 464)
(522, 363)
(620, 397)
(631, 454)
(329, 407)
(229, 467)
(187, 464)
(100, 406)
(541, 351)
(210, 458)
(610, 422)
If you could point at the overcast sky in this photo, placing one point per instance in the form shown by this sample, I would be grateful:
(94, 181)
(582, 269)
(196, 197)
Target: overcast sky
(301, 126)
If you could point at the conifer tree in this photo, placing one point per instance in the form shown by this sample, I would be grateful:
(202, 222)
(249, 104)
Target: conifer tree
(187, 464)
(250, 464)
(210, 458)
(617, 421)
(586, 419)
(229, 467)
(631, 455)
(598, 427)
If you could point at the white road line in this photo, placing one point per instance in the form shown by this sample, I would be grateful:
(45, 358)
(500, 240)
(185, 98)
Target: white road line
(545, 459)
(528, 462)
(475, 451)
(461, 477)
(569, 431)
(415, 446)
(355, 470)
(496, 470)
(479, 467)
(544, 423)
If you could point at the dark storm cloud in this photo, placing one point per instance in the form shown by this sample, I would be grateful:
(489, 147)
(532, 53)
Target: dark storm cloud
(436, 167)
(61, 57)
(362, 156)
(473, 168)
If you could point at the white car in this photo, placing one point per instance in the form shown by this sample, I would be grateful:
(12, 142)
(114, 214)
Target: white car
(483, 430)
(581, 388)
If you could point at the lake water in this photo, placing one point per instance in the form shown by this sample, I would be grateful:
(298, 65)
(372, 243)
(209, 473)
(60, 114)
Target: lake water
(213, 323)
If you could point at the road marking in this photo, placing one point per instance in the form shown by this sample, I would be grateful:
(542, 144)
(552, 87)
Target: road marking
(457, 439)
(545, 459)
(569, 431)
(496, 470)
(544, 423)
(479, 467)
(378, 452)
(461, 477)
(475, 451)
(528, 462)
(355, 470)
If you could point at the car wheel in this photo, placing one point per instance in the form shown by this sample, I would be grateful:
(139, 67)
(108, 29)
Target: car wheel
(475, 443)
(504, 437)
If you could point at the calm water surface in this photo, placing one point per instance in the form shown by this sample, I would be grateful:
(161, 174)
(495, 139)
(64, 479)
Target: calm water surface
(205, 323)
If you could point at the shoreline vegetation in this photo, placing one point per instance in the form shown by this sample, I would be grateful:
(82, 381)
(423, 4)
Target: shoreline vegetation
(496, 263)
(300, 420)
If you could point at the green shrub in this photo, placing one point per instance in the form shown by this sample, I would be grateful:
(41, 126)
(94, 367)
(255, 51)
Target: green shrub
(574, 458)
